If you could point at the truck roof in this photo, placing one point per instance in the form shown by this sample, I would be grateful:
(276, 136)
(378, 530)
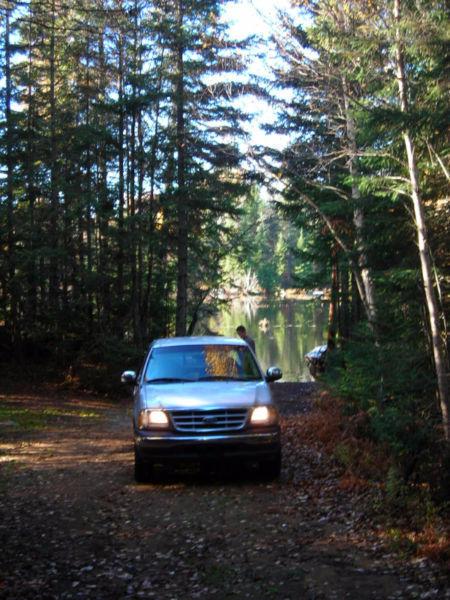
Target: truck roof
(214, 340)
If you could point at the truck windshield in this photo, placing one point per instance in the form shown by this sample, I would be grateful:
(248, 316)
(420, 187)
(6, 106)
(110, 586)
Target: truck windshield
(201, 363)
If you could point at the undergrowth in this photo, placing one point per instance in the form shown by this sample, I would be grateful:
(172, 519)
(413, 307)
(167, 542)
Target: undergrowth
(414, 519)
(94, 366)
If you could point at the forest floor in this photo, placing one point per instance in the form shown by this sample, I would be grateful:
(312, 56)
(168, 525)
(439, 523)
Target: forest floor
(74, 524)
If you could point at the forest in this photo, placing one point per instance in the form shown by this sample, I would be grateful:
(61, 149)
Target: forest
(128, 200)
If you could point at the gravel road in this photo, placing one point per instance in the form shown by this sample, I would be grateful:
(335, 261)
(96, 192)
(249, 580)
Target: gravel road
(73, 524)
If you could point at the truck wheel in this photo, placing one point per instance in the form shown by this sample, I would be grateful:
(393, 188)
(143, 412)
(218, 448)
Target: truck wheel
(270, 468)
(143, 470)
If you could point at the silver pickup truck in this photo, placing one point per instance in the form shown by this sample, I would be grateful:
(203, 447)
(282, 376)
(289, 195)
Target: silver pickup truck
(204, 398)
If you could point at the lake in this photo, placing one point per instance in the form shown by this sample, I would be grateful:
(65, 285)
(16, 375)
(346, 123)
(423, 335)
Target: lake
(284, 331)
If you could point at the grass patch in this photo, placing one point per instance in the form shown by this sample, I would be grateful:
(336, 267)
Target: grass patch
(29, 419)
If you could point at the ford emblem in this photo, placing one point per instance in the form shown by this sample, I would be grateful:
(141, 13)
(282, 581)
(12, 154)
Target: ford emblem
(209, 420)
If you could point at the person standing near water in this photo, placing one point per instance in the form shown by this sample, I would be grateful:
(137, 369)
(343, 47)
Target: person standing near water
(242, 333)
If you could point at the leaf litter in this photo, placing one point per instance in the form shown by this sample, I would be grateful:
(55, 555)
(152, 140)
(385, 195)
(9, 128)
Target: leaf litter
(73, 524)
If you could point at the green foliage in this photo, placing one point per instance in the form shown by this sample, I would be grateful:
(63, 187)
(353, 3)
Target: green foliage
(348, 190)
(355, 372)
(267, 248)
(98, 363)
(399, 426)
(391, 384)
(311, 261)
(91, 129)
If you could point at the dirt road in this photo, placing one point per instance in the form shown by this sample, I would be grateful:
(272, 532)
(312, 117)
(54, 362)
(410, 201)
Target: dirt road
(73, 524)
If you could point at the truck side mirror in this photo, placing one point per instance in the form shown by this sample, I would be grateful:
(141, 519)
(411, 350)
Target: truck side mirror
(273, 374)
(129, 377)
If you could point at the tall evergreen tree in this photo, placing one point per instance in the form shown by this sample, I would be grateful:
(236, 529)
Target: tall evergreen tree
(366, 86)
(204, 126)
(120, 158)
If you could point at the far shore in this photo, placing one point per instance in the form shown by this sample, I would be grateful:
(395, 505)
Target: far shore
(283, 294)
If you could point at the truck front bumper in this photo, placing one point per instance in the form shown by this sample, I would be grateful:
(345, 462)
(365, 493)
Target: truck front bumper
(169, 446)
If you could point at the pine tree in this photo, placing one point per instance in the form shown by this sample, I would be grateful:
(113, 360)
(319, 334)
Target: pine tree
(391, 104)
(203, 127)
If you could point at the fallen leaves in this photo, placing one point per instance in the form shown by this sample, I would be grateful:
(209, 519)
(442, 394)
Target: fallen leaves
(83, 529)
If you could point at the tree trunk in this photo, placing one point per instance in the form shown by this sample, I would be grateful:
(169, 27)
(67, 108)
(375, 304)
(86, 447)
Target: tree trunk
(88, 201)
(11, 258)
(67, 245)
(104, 211)
(152, 214)
(182, 213)
(141, 226)
(120, 217)
(53, 237)
(367, 288)
(31, 186)
(132, 197)
(440, 358)
(333, 309)
(357, 307)
(344, 308)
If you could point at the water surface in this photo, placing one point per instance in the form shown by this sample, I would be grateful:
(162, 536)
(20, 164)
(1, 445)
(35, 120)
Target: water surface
(284, 331)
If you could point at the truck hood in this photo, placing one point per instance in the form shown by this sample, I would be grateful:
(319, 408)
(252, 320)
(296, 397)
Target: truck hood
(206, 395)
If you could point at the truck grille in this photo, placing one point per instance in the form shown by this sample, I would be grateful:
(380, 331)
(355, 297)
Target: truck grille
(207, 421)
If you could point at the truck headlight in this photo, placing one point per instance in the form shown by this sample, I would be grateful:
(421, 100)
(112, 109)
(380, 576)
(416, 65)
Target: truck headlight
(153, 419)
(264, 415)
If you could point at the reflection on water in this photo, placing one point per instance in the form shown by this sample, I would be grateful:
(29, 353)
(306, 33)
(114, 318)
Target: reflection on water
(284, 331)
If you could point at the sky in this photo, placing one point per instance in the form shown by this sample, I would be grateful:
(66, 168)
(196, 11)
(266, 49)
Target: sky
(245, 18)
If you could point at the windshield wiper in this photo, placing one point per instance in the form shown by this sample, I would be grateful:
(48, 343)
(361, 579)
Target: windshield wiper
(226, 378)
(167, 380)
(215, 377)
